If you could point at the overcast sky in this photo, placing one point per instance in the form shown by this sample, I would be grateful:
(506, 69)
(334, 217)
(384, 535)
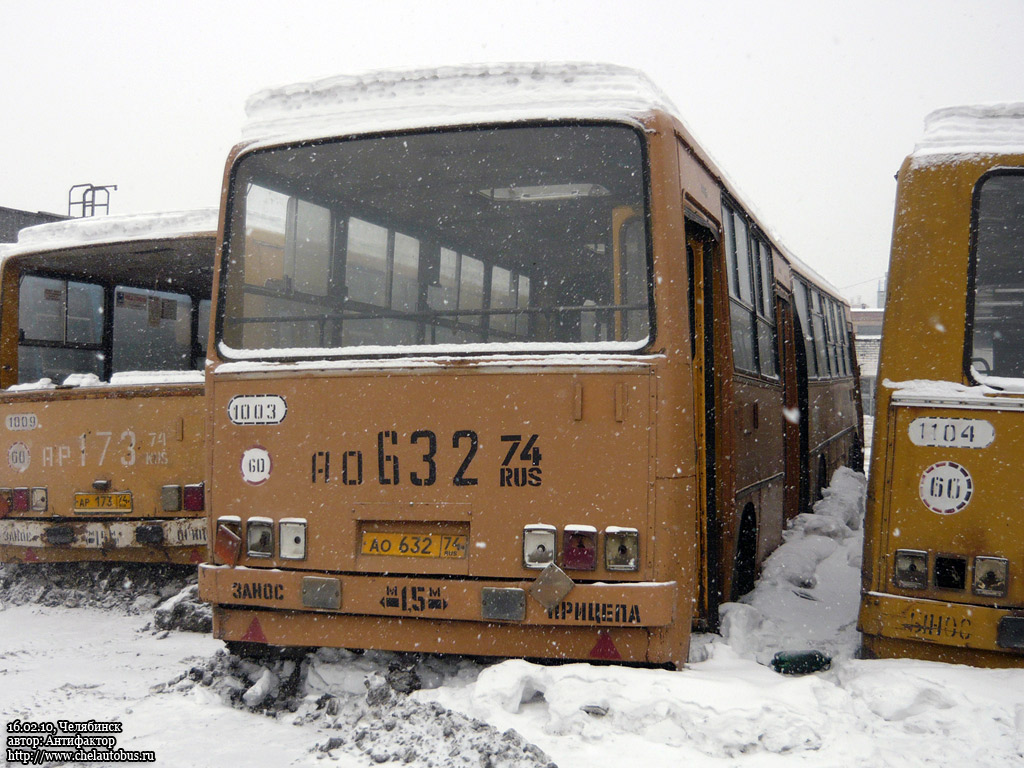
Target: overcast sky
(809, 106)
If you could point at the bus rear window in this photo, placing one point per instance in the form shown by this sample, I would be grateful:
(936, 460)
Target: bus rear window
(524, 237)
(997, 340)
(60, 329)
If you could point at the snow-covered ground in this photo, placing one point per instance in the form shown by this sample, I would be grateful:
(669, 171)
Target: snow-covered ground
(179, 695)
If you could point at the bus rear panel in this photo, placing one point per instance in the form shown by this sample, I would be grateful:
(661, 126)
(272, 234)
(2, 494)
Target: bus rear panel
(102, 338)
(943, 538)
(459, 402)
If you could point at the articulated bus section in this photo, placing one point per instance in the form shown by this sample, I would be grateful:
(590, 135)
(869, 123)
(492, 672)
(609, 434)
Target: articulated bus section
(523, 379)
(102, 339)
(943, 538)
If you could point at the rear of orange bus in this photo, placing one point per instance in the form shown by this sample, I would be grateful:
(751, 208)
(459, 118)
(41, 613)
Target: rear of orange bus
(102, 342)
(944, 542)
(442, 417)
(497, 371)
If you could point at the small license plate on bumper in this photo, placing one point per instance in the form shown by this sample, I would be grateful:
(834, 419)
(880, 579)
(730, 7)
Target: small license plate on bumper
(440, 545)
(103, 502)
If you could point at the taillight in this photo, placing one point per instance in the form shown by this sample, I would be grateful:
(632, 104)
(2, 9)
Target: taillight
(170, 498)
(22, 499)
(950, 572)
(579, 547)
(259, 537)
(538, 545)
(911, 569)
(228, 540)
(990, 576)
(621, 549)
(39, 500)
(293, 539)
(195, 497)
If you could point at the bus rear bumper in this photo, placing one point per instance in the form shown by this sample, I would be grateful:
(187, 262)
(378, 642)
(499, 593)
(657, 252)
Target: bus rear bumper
(65, 540)
(620, 622)
(895, 626)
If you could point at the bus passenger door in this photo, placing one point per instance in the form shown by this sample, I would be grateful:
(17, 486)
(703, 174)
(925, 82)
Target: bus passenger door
(794, 425)
(701, 246)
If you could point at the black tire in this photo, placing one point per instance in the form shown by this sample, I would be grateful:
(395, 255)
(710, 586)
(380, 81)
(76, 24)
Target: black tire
(744, 571)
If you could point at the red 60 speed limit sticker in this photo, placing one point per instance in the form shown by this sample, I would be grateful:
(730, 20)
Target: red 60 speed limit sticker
(946, 487)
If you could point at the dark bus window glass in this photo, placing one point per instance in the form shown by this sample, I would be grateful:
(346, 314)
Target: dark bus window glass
(386, 242)
(60, 329)
(997, 341)
(152, 331)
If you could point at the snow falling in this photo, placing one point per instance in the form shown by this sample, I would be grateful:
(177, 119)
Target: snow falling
(111, 645)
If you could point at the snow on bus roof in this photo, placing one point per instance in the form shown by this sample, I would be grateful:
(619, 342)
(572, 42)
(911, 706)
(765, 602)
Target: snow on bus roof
(972, 130)
(112, 229)
(398, 99)
(395, 99)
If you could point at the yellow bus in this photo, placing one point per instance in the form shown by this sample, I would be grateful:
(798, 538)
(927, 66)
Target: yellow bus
(943, 558)
(503, 366)
(103, 328)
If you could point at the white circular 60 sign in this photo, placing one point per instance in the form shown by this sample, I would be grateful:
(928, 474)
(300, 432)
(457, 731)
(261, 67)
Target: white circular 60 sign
(946, 487)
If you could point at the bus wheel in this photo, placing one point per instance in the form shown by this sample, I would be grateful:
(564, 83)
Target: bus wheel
(822, 478)
(857, 455)
(744, 572)
(261, 652)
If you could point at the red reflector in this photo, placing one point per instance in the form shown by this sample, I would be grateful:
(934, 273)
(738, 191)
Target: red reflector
(579, 548)
(31, 556)
(605, 648)
(6, 501)
(193, 499)
(255, 633)
(196, 556)
(22, 499)
(226, 545)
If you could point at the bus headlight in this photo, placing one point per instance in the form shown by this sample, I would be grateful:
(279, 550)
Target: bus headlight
(621, 549)
(259, 537)
(911, 569)
(538, 545)
(990, 576)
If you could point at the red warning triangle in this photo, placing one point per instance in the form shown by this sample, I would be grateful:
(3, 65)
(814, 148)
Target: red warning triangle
(255, 633)
(605, 648)
(197, 556)
(30, 556)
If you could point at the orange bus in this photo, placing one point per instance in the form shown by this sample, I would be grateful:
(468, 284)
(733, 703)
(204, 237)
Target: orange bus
(103, 333)
(503, 366)
(943, 547)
